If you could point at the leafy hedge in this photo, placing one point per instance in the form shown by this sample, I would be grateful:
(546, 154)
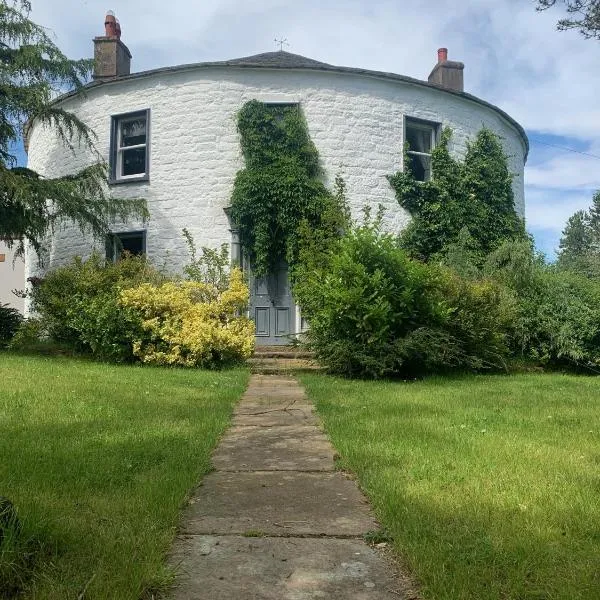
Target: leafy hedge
(558, 316)
(191, 324)
(375, 312)
(78, 305)
(128, 311)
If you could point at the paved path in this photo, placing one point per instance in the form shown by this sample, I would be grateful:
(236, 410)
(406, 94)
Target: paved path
(275, 521)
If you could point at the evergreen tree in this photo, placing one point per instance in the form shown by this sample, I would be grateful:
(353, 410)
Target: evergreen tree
(580, 242)
(576, 240)
(33, 71)
(594, 222)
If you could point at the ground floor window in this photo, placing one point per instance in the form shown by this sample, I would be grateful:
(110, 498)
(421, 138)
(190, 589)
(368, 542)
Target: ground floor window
(132, 242)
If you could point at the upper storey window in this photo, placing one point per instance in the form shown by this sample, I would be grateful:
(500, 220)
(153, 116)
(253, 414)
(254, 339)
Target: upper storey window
(129, 147)
(420, 137)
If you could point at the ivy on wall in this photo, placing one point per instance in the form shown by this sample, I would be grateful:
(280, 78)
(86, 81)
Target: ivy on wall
(471, 199)
(279, 193)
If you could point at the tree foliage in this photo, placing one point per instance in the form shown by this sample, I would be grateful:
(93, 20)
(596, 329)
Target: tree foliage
(33, 71)
(583, 15)
(580, 242)
(375, 312)
(472, 198)
(280, 189)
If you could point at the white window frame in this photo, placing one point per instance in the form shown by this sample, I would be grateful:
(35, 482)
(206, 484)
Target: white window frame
(423, 126)
(117, 150)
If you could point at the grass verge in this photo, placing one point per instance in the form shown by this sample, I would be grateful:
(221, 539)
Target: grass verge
(97, 460)
(489, 485)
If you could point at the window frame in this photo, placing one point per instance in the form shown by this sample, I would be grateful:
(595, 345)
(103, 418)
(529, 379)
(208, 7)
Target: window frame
(422, 124)
(113, 253)
(116, 150)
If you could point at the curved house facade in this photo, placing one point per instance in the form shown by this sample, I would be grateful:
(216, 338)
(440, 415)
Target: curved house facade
(170, 136)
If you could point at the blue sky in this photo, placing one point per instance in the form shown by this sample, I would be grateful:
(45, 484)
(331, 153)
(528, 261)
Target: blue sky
(514, 58)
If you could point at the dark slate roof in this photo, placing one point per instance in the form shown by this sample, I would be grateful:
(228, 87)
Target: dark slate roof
(279, 60)
(287, 60)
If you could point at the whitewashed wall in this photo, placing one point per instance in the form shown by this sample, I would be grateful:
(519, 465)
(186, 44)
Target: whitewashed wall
(12, 276)
(356, 122)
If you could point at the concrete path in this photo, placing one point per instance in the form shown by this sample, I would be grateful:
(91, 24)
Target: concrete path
(275, 521)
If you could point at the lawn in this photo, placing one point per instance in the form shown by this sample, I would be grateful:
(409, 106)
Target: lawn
(98, 460)
(489, 485)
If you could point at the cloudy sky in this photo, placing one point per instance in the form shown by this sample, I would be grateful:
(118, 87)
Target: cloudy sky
(514, 57)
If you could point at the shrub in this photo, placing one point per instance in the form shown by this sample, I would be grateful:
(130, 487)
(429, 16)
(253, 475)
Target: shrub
(211, 267)
(558, 311)
(191, 323)
(10, 319)
(78, 305)
(373, 311)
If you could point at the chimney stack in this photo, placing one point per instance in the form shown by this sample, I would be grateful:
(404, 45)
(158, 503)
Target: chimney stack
(447, 73)
(111, 56)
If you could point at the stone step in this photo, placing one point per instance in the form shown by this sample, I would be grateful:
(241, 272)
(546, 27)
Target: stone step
(281, 365)
(281, 352)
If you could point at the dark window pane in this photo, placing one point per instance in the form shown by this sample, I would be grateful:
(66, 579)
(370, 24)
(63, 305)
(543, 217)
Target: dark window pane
(418, 138)
(132, 243)
(134, 161)
(133, 132)
(420, 167)
(118, 243)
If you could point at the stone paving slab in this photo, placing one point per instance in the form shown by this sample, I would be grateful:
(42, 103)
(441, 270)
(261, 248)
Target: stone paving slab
(273, 414)
(238, 568)
(278, 503)
(274, 477)
(284, 448)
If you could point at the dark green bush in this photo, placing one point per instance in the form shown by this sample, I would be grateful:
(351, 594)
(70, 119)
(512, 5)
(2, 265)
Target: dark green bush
(10, 319)
(558, 311)
(78, 305)
(375, 312)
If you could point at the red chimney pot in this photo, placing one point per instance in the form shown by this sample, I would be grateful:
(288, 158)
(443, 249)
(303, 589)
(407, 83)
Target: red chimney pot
(442, 55)
(118, 29)
(110, 25)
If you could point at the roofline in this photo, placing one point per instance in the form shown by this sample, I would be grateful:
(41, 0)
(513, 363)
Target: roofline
(317, 67)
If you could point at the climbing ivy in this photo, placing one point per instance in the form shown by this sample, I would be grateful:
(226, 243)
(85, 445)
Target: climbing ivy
(279, 194)
(471, 199)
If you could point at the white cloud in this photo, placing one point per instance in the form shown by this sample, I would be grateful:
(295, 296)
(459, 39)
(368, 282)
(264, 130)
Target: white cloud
(565, 171)
(549, 210)
(547, 80)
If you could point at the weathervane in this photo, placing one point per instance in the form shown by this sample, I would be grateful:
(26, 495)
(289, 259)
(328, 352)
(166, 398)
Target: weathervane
(281, 42)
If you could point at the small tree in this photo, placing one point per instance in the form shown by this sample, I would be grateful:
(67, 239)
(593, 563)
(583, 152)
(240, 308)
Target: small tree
(33, 71)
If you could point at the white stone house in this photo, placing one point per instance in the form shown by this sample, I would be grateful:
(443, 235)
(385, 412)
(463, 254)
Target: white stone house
(170, 136)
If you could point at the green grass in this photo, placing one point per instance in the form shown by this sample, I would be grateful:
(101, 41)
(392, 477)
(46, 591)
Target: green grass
(98, 460)
(489, 485)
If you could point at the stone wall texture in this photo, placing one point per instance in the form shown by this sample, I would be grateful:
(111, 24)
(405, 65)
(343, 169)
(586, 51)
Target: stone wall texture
(355, 121)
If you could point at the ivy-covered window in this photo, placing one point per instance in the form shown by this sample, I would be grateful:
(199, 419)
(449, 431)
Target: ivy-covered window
(129, 144)
(420, 137)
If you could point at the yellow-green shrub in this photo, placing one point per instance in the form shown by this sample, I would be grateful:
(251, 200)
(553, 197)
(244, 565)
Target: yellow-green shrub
(190, 323)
